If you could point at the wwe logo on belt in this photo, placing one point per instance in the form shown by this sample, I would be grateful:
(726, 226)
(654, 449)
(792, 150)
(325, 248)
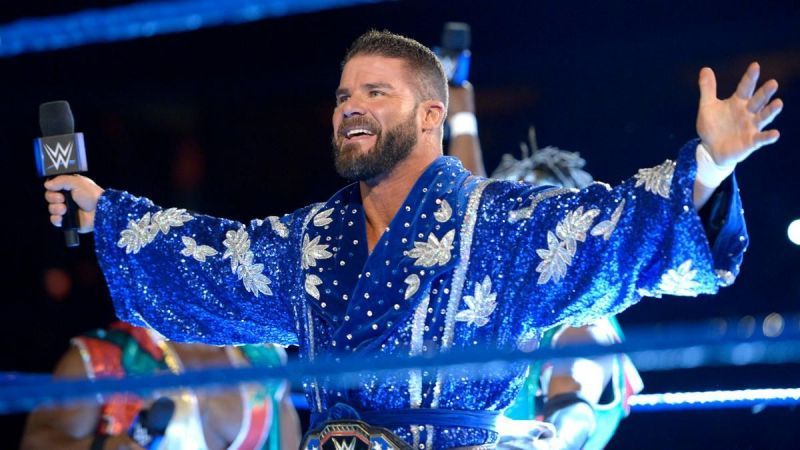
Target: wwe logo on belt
(59, 156)
(344, 446)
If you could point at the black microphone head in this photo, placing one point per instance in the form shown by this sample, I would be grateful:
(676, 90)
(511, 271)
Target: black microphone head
(159, 415)
(456, 36)
(55, 118)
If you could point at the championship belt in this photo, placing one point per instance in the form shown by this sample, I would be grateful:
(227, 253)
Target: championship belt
(352, 435)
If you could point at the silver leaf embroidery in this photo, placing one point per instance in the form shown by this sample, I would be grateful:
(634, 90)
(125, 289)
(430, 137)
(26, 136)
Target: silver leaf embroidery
(136, 236)
(657, 179)
(574, 227)
(323, 218)
(480, 305)
(312, 251)
(237, 244)
(172, 217)
(312, 281)
(413, 285)
(142, 232)
(527, 212)
(434, 251)
(520, 214)
(606, 227)
(562, 245)
(252, 276)
(198, 252)
(278, 227)
(444, 212)
(680, 281)
(555, 260)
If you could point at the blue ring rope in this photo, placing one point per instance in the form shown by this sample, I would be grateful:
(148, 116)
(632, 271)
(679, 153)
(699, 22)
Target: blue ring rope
(664, 349)
(146, 19)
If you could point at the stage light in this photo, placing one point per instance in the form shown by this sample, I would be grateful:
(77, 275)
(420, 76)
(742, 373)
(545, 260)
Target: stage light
(794, 232)
(772, 325)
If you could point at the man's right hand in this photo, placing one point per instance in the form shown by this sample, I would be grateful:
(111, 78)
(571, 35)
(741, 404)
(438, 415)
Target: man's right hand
(85, 193)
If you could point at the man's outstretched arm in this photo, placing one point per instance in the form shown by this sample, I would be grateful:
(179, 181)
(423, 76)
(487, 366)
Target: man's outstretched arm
(190, 276)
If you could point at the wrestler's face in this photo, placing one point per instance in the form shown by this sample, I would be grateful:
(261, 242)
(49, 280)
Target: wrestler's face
(375, 123)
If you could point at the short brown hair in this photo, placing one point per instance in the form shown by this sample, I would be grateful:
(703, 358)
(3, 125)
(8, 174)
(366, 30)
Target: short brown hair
(419, 58)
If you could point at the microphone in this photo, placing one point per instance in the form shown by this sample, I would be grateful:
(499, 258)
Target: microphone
(150, 425)
(61, 151)
(454, 52)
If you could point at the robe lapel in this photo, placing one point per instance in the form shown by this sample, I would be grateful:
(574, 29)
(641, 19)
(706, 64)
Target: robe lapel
(368, 296)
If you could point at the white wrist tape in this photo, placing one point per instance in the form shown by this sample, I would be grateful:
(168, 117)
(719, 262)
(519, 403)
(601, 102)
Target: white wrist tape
(463, 123)
(709, 174)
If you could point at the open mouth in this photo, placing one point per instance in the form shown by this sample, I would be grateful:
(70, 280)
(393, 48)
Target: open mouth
(355, 133)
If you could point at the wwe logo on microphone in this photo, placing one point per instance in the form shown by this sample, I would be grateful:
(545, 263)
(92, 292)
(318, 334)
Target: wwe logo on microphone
(60, 155)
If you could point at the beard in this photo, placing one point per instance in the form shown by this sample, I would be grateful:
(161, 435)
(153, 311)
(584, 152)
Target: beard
(390, 148)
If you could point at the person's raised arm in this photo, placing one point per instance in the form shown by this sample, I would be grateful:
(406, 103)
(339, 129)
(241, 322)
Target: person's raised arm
(464, 142)
(731, 129)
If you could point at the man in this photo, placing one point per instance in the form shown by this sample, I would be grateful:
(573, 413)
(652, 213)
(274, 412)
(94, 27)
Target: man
(419, 250)
(251, 416)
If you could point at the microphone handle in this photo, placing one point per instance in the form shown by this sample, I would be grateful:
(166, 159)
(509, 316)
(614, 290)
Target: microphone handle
(70, 222)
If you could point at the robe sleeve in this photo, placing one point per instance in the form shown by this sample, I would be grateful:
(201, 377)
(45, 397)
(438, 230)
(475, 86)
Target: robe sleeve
(197, 278)
(575, 256)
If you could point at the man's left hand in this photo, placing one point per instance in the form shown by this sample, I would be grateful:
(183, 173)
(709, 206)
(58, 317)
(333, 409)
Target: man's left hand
(731, 129)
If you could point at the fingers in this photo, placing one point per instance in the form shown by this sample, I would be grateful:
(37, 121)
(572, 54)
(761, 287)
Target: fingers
(748, 82)
(61, 182)
(708, 86)
(56, 220)
(54, 197)
(57, 209)
(768, 114)
(766, 137)
(762, 96)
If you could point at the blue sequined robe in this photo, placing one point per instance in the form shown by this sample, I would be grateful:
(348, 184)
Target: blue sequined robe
(465, 262)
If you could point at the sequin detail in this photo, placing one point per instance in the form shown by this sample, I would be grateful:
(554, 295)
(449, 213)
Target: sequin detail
(562, 245)
(198, 252)
(139, 234)
(434, 251)
(527, 212)
(238, 250)
(606, 227)
(417, 335)
(480, 305)
(311, 283)
(312, 251)
(459, 275)
(278, 227)
(444, 212)
(680, 281)
(656, 179)
(413, 285)
(650, 247)
(459, 278)
(323, 218)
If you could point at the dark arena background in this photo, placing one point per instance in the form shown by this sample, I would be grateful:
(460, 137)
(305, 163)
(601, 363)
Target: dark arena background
(235, 121)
